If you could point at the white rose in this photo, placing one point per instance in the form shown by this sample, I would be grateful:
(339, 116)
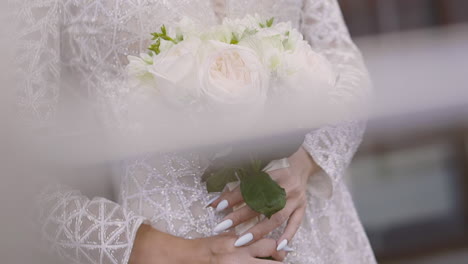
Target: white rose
(252, 21)
(279, 29)
(165, 45)
(269, 49)
(233, 75)
(220, 33)
(272, 43)
(241, 28)
(175, 72)
(293, 40)
(188, 28)
(248, 22)
(304, 69)
(283, 27)
(138, 66)
(138, 70)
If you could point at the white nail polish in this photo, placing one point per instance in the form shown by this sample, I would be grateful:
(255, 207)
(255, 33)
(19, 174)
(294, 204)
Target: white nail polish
(223, 226)
(282, 245)
(243, 240)
(288, 249)
(222, 205)
(212, 200)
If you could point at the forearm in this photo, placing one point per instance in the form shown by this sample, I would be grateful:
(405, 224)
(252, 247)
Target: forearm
(333, 146)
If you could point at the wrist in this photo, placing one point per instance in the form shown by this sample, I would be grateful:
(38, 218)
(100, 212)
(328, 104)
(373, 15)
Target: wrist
(140, 250)
(303, 164)
(152, 246)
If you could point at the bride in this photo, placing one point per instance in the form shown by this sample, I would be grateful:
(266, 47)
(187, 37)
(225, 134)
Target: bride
(164, 213)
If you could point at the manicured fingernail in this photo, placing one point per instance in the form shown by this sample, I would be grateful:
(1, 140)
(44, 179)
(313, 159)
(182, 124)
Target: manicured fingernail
(243, 240)
(212, 200)
(222, 205)
(288, 249)
(224, 225)
(282, 245)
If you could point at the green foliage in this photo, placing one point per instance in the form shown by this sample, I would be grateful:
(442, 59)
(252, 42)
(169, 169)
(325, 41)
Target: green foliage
(260, 192)
(247, 33)
(155, 47)
(163, 29)
(235, 39)
(162, 35)
(216, 180)
(179, 38)
(269, 23)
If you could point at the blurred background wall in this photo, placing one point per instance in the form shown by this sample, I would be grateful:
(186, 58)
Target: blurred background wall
(410, 177)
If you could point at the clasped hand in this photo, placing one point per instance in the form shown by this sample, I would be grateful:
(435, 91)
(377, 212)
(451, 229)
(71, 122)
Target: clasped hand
(294, 181)
(153, 247)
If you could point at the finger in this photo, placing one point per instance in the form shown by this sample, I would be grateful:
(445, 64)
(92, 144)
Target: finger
(264, 227)
(235, 218)
(276, 174)
(266, 248)
(228, 199)
(293, 225)
(212, 200)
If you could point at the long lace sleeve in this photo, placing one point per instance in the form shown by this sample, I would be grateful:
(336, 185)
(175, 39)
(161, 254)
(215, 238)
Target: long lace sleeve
(83, 231)
(76, 228)
(333, 146)
(38, 59)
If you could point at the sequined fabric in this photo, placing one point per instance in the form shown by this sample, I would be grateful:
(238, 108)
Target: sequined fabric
(88, 41)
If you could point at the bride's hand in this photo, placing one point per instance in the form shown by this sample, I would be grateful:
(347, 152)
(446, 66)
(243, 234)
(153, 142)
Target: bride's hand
(294, 181)
(153, 247)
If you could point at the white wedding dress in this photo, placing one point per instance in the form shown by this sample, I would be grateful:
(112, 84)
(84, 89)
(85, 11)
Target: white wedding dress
(88, 41)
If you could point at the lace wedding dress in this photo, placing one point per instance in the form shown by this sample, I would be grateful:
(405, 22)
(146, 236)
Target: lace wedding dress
(88, 41)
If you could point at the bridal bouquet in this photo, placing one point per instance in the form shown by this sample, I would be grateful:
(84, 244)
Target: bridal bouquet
(239, 64)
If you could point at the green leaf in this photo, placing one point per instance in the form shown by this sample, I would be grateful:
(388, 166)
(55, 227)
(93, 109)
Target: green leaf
(156, 46)
(155, 35)
(270, 22)
(260, 192)
(179, 38)
(249, 32)
(167, 38)
(217, 180)
(234, 39)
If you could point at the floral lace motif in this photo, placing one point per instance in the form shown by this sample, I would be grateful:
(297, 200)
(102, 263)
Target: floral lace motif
(88, 41)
